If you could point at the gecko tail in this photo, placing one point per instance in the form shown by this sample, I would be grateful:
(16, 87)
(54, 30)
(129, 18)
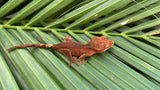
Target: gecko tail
(31, 45)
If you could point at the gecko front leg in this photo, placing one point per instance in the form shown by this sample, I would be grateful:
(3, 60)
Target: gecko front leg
(67, 53)
(82, 58)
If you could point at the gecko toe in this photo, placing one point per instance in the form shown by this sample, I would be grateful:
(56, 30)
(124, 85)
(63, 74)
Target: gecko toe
(69, 63)
(82, 61)
(73, 60)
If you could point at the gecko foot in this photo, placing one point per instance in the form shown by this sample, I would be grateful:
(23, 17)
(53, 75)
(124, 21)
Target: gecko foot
(74, 60)
(82, 61)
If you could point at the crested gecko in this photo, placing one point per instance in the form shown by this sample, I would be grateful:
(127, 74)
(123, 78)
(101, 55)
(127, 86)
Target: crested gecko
(72, 49)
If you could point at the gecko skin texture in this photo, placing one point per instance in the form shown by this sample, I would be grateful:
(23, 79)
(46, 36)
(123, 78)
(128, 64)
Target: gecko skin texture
(72, 49)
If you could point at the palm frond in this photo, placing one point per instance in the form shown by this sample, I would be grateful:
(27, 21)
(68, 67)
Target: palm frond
(132, 63)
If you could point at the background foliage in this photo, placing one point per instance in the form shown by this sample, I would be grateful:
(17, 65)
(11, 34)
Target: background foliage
(132, 63)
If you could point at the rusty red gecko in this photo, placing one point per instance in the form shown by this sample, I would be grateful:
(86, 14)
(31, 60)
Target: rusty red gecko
(70, 48)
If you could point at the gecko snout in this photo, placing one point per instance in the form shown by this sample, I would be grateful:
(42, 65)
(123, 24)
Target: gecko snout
(110, 43)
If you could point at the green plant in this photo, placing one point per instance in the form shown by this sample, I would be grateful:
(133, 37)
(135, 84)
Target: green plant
(132, 63)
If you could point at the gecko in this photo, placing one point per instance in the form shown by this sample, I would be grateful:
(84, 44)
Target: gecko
(74, 49)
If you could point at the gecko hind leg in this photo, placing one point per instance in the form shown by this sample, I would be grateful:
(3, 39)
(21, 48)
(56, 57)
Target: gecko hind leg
(67, 53)
(74, 59)
(67, 39)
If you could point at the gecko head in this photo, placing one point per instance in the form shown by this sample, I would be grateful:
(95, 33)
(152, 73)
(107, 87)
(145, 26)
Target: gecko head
(100, 44)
